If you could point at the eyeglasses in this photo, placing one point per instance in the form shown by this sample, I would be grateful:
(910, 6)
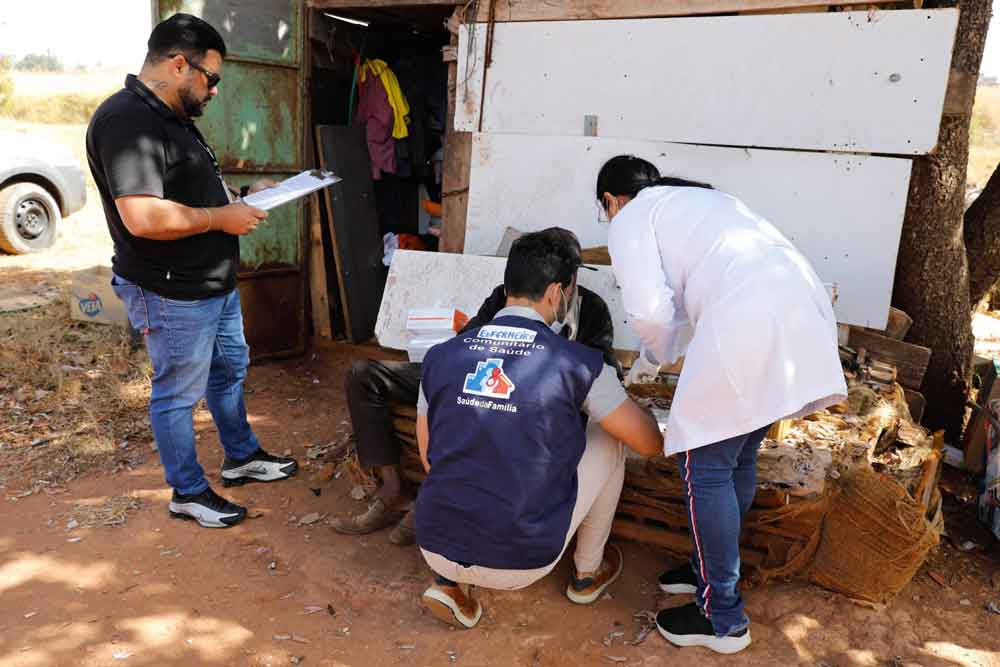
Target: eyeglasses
(211, 78)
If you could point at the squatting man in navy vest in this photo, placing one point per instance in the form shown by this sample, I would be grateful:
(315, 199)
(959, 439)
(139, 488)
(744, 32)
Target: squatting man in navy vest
(373, 386)
(521, 433)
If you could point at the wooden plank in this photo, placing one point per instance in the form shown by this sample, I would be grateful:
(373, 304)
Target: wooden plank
(318, 290)
(779, 430)
(910, 360)
(846, 82)
(916, 402)
(354, 227)
(380, 4)
(567, 10)
(597, 255)
(455, 191)
(455, 176)
(845, 213)
(899, 324)
(679, 543)
(436, 279)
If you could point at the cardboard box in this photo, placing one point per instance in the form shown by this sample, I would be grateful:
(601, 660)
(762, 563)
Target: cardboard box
(91, 298)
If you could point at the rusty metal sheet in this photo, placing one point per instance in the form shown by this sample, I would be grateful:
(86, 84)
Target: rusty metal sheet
(274, 314)
(254, 123)
(278, 242)
(262, 30)
(255, 128)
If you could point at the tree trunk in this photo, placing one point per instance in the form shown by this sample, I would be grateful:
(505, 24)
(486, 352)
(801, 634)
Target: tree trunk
(982, 239)
(932, 274)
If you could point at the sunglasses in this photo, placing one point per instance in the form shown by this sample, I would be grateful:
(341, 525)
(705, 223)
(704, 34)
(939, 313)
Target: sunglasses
(211, 78)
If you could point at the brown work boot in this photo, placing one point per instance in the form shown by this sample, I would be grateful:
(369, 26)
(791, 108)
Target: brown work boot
(376, 517)
(587, 587)
(405, 532)
(453, 604)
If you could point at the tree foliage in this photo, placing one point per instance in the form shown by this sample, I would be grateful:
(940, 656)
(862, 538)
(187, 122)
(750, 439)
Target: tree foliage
(6, 82)
(39, 62)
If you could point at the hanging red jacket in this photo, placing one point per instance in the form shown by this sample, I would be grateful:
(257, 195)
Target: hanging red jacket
(377, 115)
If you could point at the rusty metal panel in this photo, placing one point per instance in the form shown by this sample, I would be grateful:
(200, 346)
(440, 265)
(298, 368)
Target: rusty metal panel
(261, 30)
(277, 243)
(274, 314)
(255, 126)
(254, 123)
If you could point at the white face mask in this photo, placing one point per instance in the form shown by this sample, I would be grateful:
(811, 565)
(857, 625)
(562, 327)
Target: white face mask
(560, 322)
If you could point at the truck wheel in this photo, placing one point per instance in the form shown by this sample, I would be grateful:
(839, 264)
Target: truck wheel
(28, 219)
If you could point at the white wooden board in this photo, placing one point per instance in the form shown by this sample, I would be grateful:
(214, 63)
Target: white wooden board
(843, 81)
(445, 280)
(844, 212)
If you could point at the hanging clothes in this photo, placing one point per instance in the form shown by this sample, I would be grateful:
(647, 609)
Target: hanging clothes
(397, 100)
(376, 113)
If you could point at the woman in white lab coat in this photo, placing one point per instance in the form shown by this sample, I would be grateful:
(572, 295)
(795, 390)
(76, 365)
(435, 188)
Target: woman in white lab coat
(704, 277)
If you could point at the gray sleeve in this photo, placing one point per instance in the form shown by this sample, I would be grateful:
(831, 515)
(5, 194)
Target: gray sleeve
(606, 395)
(421, 402)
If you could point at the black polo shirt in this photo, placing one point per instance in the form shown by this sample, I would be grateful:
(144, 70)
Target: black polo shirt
(137, 145)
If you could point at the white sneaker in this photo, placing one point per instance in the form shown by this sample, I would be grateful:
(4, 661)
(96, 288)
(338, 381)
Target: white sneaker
(258, 467)
(207, 508)
(687, 626)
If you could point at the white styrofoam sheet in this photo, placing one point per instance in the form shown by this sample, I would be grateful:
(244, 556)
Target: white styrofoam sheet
(445, 280)
(844, 212)
(843, 81)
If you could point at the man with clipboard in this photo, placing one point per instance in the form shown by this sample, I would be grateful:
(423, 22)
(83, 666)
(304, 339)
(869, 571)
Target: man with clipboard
(176, 231)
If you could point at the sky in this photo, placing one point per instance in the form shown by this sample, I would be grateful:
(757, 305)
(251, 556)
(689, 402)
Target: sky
(113, 32)
(80, 32)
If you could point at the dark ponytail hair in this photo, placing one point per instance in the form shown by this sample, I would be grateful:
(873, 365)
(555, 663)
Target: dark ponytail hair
(627, 175)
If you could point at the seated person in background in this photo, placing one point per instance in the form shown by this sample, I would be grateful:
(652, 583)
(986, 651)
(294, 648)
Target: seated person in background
(514, 467)
(373, 385)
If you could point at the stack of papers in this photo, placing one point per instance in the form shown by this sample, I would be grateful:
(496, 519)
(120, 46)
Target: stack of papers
(291, 189)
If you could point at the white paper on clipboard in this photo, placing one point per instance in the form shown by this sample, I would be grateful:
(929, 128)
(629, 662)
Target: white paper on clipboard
(292, 189)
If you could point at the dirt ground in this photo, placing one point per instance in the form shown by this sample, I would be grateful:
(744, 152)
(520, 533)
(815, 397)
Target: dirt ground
(153, 591)
(146, 590)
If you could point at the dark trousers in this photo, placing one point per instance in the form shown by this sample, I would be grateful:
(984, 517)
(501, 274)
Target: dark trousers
(371, 387)
(720, 482)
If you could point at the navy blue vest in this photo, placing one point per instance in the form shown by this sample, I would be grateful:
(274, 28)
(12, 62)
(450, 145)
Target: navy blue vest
(506, 436)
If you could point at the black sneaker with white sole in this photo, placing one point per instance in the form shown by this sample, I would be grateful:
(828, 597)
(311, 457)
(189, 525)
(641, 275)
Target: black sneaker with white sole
(687, 626)
(207, 508)
(258, 467)
(679, 581)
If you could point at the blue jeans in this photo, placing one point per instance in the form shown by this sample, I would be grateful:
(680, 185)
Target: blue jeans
(197, 350)
(720, 483)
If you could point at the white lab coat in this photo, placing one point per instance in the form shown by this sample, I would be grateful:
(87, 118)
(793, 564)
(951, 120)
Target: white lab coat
(704, 277)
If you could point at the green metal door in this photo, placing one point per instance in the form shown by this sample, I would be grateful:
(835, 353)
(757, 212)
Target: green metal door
(255, 126)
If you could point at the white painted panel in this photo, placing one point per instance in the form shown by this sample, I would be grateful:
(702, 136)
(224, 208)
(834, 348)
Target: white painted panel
(844, 81)
(844, 212)
(431, 280)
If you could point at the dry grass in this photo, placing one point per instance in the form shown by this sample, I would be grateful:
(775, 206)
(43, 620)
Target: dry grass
(73, 398)
(68, 108)
(45, 84)
(984, 136)
(64, 98)
(111, 511)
